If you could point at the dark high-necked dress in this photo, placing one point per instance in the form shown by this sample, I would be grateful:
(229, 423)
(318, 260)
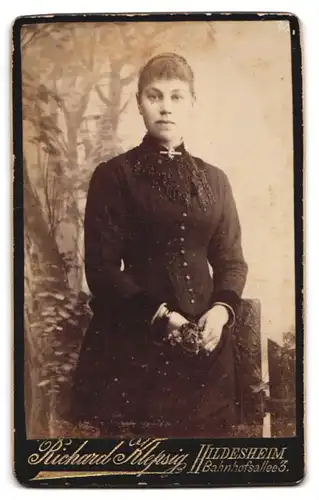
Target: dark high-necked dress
(159, 228)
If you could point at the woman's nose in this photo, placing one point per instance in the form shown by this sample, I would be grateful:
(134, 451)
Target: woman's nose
(166, 106)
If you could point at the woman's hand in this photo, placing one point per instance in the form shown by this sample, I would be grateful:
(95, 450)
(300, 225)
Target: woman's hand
(212, 323)
(175, 321)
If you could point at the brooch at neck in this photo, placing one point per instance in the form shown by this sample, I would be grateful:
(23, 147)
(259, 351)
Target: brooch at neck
(170, 153)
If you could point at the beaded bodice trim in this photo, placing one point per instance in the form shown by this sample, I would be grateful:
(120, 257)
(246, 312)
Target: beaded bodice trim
(177, 177)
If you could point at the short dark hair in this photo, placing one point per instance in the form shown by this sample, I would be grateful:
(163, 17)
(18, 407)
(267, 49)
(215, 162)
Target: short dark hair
(167, 66)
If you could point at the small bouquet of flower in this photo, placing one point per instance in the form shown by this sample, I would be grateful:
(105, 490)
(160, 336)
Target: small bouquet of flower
(189, 337)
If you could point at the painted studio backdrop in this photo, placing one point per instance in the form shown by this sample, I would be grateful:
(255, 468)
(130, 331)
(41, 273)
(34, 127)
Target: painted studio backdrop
(79, 108)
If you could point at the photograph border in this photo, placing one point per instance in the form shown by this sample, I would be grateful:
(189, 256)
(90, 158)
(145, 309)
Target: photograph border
(30, 474)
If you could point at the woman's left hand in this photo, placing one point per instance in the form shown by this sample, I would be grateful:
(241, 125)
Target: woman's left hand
(212, 323)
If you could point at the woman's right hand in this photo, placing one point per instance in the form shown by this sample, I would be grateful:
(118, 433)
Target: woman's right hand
(175, 321)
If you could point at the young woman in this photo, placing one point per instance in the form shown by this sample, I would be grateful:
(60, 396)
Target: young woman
(157, 358)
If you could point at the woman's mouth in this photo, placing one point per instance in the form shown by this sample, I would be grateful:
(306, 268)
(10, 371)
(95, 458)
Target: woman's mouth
(165, 122)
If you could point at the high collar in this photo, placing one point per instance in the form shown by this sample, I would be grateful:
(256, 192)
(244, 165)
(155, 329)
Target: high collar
(152, 145)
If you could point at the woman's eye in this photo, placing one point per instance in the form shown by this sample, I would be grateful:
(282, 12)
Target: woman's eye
(176, 97)
(153, 97)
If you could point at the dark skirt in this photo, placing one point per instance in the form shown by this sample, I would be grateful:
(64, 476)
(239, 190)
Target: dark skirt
(128, 383)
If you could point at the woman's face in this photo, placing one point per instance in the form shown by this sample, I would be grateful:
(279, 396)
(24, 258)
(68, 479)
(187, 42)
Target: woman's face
(166, 106)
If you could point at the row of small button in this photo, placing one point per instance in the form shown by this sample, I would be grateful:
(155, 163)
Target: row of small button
(185, 263)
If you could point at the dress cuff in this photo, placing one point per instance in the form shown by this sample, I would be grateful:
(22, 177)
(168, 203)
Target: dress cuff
(159, 313)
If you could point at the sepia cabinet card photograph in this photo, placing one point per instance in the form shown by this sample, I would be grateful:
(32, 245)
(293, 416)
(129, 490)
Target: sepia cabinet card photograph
(158, 250)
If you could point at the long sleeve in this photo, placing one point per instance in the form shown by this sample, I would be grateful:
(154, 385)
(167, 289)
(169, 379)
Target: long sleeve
(225, 253)
(106, 232)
